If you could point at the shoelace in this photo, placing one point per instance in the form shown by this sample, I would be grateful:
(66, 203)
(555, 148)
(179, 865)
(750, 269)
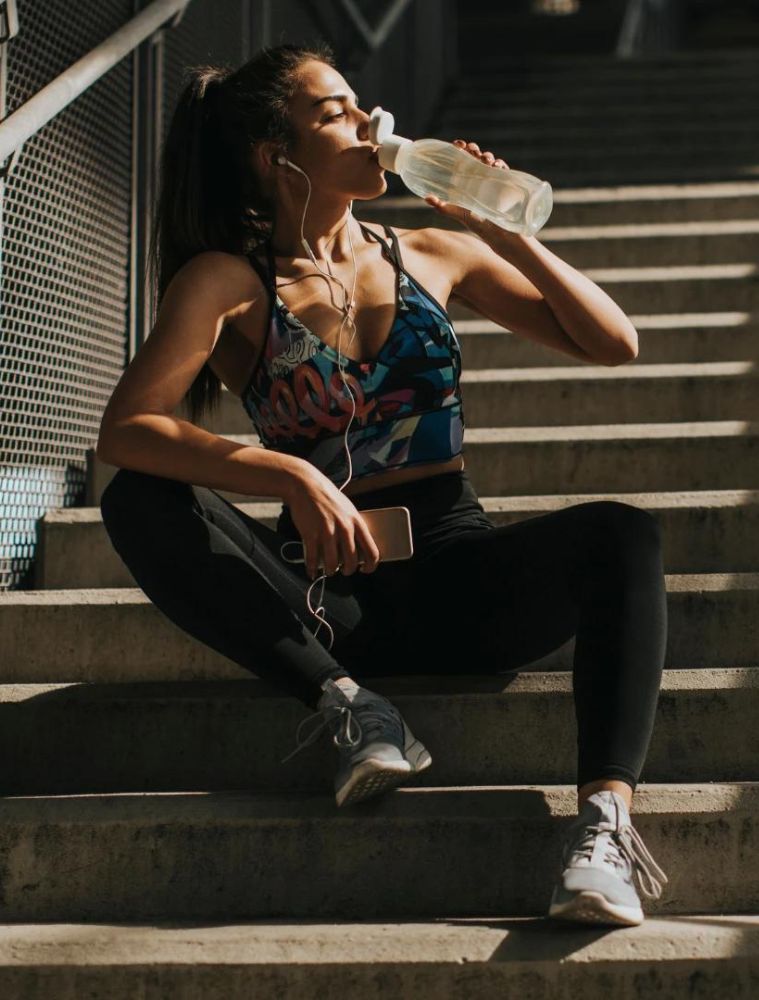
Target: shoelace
(341, 738)
(628, 844)
(629, 840)
(375, 721)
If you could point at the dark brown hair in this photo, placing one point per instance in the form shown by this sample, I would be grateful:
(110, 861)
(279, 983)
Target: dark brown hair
(209, 197)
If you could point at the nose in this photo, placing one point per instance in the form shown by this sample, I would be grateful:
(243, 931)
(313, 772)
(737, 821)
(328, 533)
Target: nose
(363, 126)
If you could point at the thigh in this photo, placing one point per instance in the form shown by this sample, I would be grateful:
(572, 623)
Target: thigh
(162, 525)
(496, 600)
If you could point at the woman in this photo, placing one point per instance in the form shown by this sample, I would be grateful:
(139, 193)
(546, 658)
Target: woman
(260, 165)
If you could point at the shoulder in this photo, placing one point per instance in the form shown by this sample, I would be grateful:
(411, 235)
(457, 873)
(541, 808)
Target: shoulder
(428, 239)
(448, 250)
(228, 278)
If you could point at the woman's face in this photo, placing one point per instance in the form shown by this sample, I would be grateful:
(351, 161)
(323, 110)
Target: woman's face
(333, 145)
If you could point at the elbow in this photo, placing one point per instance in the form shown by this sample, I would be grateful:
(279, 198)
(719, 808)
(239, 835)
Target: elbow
(102, 447)
(101, 455)
(629, 352)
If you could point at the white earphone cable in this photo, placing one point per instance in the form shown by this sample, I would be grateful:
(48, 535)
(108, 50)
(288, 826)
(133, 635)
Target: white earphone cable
(318, 613)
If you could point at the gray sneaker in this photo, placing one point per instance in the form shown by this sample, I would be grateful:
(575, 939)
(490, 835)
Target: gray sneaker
(377, 749)
(601, 853)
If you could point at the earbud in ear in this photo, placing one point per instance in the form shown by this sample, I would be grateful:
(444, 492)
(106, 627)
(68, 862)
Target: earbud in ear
(281, 160)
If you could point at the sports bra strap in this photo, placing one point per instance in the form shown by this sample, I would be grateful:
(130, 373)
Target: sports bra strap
(393, 251)
(396, 246)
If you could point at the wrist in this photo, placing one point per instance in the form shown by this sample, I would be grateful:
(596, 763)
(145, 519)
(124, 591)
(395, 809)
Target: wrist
(295, 475)
(510, 245)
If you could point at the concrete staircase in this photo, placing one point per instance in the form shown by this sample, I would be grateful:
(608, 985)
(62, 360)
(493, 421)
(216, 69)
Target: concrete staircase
(152, 845)
(591, 120)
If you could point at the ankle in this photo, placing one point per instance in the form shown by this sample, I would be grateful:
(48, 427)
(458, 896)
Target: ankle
(622, 788)
(345, 682)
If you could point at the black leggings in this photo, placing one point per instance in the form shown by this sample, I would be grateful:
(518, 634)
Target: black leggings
(475, 597)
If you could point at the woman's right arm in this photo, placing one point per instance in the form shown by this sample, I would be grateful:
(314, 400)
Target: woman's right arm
(138, 429)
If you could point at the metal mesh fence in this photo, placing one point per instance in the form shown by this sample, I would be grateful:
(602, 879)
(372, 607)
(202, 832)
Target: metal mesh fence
(215, 33)
(65, 253)
(64, 260)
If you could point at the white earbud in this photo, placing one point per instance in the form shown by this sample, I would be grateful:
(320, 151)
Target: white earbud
(283, 161)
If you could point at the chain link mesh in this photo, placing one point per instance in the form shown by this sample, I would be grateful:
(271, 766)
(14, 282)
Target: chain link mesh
(64, 271)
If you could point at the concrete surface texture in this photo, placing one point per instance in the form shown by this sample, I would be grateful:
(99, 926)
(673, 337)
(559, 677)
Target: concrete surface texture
(151, 844)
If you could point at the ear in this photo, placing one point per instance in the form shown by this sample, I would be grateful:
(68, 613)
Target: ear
(263, 155)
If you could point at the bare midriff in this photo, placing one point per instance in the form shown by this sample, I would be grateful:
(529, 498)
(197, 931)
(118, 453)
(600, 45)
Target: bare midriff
(394, 476)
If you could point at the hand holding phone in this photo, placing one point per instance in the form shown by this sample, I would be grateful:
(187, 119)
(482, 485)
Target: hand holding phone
(358, 538)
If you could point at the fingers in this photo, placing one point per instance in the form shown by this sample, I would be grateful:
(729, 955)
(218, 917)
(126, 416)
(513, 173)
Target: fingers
(487, 157)
(369, 550)
(334, 552)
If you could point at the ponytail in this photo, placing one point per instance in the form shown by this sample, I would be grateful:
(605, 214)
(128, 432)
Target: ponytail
(209, 196)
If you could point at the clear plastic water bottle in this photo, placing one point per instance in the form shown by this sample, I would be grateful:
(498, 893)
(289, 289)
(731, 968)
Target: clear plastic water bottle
(510, 198)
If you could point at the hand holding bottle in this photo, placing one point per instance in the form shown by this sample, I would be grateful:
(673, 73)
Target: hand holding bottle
(512, 200)
(483, 228)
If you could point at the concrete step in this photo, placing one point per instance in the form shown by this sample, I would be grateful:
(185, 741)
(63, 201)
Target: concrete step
(663, 338)
(672, 289)
(597, 394)
(677, 134)
(581, 174)
(616, 205)
(585, 458)
(664, 244)
(82, 635)
(562, 112)
(581, 393)
(225, 735)
(704, 531)
(439, 959)
(644, 64)
(557, 85)
(251, 855)
(625, 163)
(542, 93)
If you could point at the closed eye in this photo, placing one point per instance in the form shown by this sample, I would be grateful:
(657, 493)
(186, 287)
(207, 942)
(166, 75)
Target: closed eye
(338, 115)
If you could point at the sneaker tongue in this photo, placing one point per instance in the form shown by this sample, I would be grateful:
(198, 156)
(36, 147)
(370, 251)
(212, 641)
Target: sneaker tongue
(602, 807)
(350, 693)
(348, 689)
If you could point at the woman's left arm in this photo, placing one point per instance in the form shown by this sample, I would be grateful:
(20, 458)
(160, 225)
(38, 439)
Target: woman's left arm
(583, 311)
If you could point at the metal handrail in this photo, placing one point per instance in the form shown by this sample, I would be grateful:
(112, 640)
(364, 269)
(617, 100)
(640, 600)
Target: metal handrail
(10, 15)
(35, 113)
(647, 26)
(631, 29)
(375, 37)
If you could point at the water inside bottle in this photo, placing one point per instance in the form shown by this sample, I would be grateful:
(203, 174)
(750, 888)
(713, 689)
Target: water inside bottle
(491, 193)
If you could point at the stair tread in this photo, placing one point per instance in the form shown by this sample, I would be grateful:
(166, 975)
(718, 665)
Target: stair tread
(465, 940)
(486, 802)
(515, 683)
(83, 596)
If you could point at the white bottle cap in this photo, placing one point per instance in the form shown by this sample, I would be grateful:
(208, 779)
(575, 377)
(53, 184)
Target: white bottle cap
(381, 125)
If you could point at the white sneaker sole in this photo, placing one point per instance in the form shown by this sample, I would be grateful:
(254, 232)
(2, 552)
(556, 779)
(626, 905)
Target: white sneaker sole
(372, 777)
(590, 907)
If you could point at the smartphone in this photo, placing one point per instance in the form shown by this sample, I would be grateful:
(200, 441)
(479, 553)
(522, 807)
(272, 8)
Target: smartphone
(390, 527)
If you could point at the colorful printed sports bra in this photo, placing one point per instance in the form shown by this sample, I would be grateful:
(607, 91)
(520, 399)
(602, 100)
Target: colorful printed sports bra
(408, 407)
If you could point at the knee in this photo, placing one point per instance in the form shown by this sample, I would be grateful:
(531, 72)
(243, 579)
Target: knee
(623, 523)
(131, 491)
